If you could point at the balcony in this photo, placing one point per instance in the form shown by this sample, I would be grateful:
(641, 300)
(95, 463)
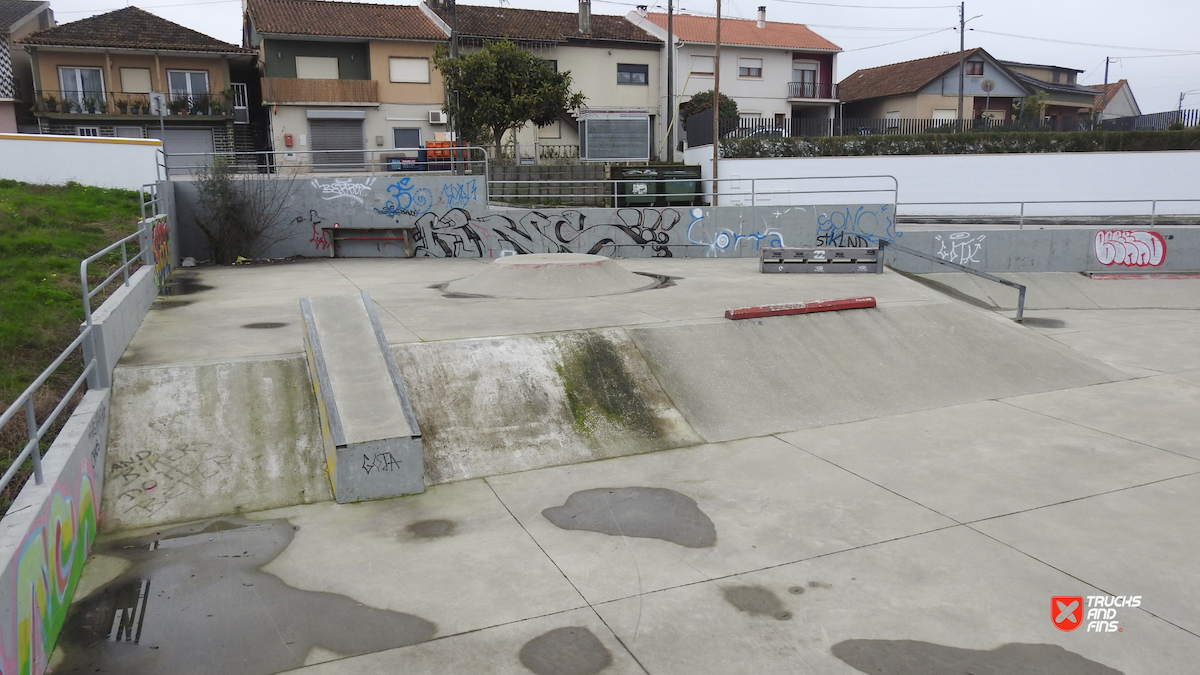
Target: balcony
(812, 90)
(293, 90)
(116, 103)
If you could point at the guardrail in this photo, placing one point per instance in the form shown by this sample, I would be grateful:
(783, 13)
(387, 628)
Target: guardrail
(884, 244)
(1021, 214)
(25, 401)
(463, 159)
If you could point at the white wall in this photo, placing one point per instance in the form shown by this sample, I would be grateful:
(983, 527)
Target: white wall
(1010, 178)
(102, 162)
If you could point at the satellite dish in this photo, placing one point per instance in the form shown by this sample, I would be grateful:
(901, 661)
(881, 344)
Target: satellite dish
(987, 85)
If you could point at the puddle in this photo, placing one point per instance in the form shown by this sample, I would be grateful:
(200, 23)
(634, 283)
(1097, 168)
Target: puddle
(194, 601)
(756, 600)
(910, 657)
(171, 304)
(264, 324)
(573, 650)
(431, 529)
(183, 285)
(651, 513)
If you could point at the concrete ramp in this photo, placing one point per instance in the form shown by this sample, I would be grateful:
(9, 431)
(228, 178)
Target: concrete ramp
(750, 378)
(372, 441)
(498, 405)
(192, 441)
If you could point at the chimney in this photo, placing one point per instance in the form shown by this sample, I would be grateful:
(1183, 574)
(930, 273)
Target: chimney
(643, 10)
(585, 17)
(762, 16)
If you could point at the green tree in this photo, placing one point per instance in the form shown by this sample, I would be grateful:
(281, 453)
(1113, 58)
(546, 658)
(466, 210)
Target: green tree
(703, 101)
(1033, 107)
(503, 87)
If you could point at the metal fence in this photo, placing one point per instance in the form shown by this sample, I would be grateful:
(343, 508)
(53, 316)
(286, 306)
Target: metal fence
(459, 160)
(35, 431)
(1154, 121)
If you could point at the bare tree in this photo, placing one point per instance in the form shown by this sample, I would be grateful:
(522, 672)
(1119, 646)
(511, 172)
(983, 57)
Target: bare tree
(242, 214)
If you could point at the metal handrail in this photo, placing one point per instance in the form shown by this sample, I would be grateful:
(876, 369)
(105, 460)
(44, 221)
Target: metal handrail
(458, 155)
(885, 244)
(123, 270)
(1152, 202)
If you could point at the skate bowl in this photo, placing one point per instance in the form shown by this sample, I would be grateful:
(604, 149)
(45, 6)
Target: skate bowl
(551, 275)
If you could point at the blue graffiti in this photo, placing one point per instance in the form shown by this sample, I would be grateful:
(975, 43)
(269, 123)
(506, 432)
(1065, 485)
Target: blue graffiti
(727, 239)
(406, 198)
(857, 229)
(461, 194)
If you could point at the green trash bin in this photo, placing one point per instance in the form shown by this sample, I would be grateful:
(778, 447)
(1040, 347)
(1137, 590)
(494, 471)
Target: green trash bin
(682, 185)
(637, 186)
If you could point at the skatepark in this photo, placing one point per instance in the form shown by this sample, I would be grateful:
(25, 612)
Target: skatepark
(632, 483)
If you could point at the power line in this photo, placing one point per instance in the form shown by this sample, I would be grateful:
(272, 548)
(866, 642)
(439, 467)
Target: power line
(178, 4)
(915, 37)
(1080, 44)
(841, 6)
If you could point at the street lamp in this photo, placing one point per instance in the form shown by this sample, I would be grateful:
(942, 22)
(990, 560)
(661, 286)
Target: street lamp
(1182, 95)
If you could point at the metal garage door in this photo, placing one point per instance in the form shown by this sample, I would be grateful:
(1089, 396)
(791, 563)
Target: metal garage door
(337, 134)
(182, 146)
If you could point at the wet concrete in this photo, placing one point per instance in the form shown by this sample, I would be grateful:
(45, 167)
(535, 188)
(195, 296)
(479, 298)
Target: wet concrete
(431, 529)
(195, 601)
(651, 513)
(1042, 322)
(756, 600)
(264, 324)
(184, 284)
(170, 304)
(573, 650)
(911, 657)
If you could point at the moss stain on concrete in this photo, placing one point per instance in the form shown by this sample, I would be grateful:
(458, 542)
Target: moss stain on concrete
(600, 389)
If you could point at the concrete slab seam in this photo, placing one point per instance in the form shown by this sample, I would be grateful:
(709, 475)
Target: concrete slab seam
(1101, 431)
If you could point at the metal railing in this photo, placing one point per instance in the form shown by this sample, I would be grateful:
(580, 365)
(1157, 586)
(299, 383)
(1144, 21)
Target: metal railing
(25, 401)
(1021, 215)
(812, 90)
(1154, 121)
(459, 160)
(52, 101)
(885, 244)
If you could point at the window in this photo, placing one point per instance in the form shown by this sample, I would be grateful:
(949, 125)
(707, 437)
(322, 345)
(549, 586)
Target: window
(975, 68)
(552, 130)
(945, 114)
(128, 132)
(893, 119)
(702, 65)
(406, 138)
(187, 83)
(633, 73)
(317, 67)
(87, 131)
(749, 67)
(136, 81)
(77, 85)
(404, 69)
(553, 64)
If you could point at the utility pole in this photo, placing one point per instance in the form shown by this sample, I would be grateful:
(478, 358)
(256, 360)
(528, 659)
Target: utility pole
(962, 55)
(673, 116)
(716, 103)
(1104, 99)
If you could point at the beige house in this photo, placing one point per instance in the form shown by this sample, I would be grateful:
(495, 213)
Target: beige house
(99, 76)
(1069, 105)
(347, 76)
(614, 64)
(18, 18)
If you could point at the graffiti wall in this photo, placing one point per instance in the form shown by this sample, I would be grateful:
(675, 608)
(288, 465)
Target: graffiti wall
(46, 537)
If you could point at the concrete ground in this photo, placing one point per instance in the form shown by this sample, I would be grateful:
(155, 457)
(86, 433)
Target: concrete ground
(924, 542)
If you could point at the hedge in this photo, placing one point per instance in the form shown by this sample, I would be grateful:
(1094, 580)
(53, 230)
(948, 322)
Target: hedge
(963, 144)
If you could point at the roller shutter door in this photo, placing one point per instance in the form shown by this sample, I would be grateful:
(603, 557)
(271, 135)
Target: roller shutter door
(182, 147)
(337, 134)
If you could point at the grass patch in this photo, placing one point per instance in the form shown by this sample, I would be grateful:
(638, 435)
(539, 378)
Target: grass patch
(45, 231)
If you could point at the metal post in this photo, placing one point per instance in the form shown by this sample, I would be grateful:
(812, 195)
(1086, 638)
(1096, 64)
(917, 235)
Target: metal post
(716, 102)
(1022, 225)
(962, 55)
(124, 264)
(1020, 304)
(672, 115)
(1153, 211)
(31, 431)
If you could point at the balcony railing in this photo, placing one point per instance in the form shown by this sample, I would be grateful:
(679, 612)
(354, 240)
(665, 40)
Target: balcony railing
(293, 90)
(52, 102)
(812, 90)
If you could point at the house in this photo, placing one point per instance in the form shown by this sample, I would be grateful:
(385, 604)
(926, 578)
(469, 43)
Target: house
(1069, 105)
(95, 77)
(346, 76)
(1115, 100)
(614, 64)
(928, 89)
(18, 18)
(773, 70)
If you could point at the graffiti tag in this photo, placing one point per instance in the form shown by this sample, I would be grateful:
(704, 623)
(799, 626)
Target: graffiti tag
(1136, 248)
(862, 228)
(344, 188)
(460, 194)
(963, 247)
(405, 197)
(383, 461)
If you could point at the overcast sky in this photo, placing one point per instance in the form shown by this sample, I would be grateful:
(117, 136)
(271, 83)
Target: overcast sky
(1153, 42)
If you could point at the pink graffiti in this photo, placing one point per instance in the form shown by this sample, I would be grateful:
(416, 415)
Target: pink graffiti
(1136, 248)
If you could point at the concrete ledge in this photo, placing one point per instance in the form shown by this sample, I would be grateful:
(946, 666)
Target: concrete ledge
(47, 535)
(115, 322)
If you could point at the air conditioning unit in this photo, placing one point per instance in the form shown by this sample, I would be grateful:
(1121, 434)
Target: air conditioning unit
(437, 117)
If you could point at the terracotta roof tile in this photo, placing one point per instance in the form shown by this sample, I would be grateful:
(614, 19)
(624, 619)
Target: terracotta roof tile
(532, 24)
(130, 28)
(1102, 101)
(897, 79)
(13, 10)
(692, 28)
(343, 19)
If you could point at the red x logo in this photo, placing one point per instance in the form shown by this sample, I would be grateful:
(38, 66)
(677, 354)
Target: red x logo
(1066, 611)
